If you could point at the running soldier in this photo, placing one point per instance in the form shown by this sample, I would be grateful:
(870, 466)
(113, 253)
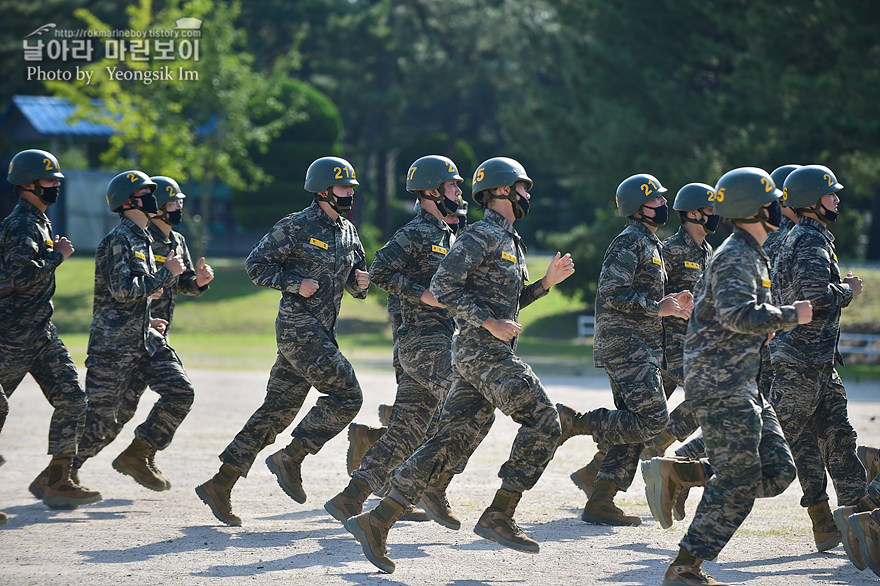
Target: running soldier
(192, 281)
(124, 350)
(807, 392)
(628, 343)
(29, 256)
(732, 317)
(482, 282)
(404, 268)
(311, 256)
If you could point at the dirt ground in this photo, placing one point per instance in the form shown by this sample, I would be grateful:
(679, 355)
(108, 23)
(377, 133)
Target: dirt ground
(135, 536)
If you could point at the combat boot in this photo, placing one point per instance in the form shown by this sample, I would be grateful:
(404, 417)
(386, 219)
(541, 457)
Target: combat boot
(4, 518)
(437, 506)
(286, 465)
(360, 438)
(38, 485)
(866, 527)
(663, 479)
(585, 477)
(151, 462)
(371, 530)
(681, 495)
(133, 462)
(385, 414)
(678, 574)
(842, 517)
(60, 491)
(349, 502)
(497, 524)
(825, 532)
(656, 447)
(572, 422)
(217, 494)
(601, 510)
(870, 459)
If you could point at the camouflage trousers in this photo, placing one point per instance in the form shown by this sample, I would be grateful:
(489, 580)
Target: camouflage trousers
(480, 384)
(297, 369)
(50, 364)
(423, 384)
(812, 407)
(682, 421)
(750, 459)
(640, 415)
(765, 375)
(111, 376)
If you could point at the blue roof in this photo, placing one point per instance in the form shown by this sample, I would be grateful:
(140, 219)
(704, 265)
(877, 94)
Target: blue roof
(50, 116)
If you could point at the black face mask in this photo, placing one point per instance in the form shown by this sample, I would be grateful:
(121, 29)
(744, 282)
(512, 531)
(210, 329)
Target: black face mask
(343, 204)
(826, 214)
(661, 214)
(774, 214)
(447, 207)
(711, 223)
(173, 218)
(148, 203)
(462, 223)
(48, 195)
(521, 208)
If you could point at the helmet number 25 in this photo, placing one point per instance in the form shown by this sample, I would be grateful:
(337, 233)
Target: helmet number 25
(717, 196)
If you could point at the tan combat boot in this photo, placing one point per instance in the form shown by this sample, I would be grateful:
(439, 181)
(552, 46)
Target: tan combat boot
(572, 422)
(217, 494)
(360, 438)
(825, 532)
(38, 485)
(601, 510)
(61, 491)
(286, 465)
(151, 462)
(349, 502)
(690, 574)
(4, 518)
(585, 477)
(497, 524)
(134, 462)
(842, 517)
(371, 530)
(437, 506)
(664, 477)
(385, 414)
(870, 459)
(656, 447)
(866, 527)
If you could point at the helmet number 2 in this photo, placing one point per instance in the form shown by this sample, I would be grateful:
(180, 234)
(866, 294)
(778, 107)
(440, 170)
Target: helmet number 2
(648, 188)
(768, 184)
(829, 179)
(132, 177)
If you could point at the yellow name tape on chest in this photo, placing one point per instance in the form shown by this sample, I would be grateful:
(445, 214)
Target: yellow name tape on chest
(656, 261)
(834, 256)
(159, 258)
(51, 243)
(508, 256)
(765, 283)
(440, 249)
(140, 255)
(688, 264)
(318, 243)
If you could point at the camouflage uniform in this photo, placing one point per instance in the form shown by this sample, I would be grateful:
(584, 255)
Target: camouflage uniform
(306, 244)
(807, 392)
(685, 261)
(482, 276)
(28, 341)
(404, 268)
(124, 349)
(748, 454)
(162, 308)
(628, 343)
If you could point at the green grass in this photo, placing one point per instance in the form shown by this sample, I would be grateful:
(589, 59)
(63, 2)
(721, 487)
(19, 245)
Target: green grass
(232, 326)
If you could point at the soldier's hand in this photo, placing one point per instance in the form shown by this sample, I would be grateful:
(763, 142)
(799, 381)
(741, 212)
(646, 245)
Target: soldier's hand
(204, 274)
(308, 287)
(63, 245)
(157, 294)
(429, 299)
(669, 307)
(561, 268)
(158, 324)
(174, 264)
(503, 329)
(362, 278)
(770, 336)
(804, 311)
(685, 302)
(854, 282)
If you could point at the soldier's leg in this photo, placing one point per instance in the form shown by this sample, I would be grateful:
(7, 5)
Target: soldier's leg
(166, 376)
(777, 462)
(732, 430)
(107, 378)
(56, 375)
(125, 409)
(838, 442)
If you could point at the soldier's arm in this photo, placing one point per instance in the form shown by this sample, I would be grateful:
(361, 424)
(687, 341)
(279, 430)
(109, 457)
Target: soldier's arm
(531, 293)
(360, 264)
(24, 265)
(736, 300)
(388, 271)
(267, 264)
(449, 284)
(186, 281)
(122, 270)
(617, 278)
(811, 268)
